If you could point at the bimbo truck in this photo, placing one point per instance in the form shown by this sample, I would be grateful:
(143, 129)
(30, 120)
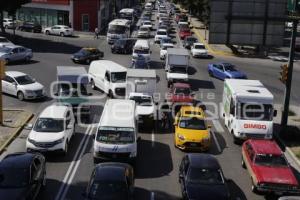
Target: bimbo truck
(248, 109)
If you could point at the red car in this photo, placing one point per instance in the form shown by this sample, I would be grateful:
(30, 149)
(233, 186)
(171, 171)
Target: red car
(180, 93)
(184, 32)
(268, 168)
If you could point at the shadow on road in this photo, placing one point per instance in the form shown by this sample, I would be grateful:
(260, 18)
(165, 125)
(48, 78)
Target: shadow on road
(235, 191)
(156, 154)
(201, 84)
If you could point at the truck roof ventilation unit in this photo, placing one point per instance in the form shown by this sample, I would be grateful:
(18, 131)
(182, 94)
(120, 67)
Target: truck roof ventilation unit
(253, 91)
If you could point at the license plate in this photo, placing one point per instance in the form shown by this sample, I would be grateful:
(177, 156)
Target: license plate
(43, 150)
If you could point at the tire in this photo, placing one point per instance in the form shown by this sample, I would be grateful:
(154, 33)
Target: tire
(62, 34)
(65, 152)
(93, 86)
(243, 163)
(210, 74)
(88, 61)
(7, 60)
(27, 59)
(20, 96)
(110, 94)
(253, 187)
(47, 33)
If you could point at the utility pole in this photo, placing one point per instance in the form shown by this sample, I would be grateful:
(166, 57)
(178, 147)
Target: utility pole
(2, 73)
(288, 84)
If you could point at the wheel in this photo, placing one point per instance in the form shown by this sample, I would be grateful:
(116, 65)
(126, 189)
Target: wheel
(88, 61)
(243, 163)
(6, 61)
(253, 187)
(93, 84)
(110, 94)
(27, 58)
(66, 148)
(210, 74)
(62, 34)
(20, 96)
(47, 33)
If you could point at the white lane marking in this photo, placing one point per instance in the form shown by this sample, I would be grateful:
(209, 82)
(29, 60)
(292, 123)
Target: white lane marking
(216, 142)
(72, 164)
(153, 139)
(76, 166)
(152, 196)
(218, 127)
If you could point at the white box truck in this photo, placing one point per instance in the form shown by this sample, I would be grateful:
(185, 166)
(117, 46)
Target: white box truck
(177, 64)
(141, 85)
(116, 136)
(248, 110)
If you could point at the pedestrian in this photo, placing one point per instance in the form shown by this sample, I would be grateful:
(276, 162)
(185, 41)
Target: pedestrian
(96, 33)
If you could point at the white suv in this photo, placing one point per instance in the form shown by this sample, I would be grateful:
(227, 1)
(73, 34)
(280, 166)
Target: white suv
(60, 30)
(52, 130)
(8, 23)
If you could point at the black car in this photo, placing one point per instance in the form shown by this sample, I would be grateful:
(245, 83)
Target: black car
(201, 177)
(189, 41)
(22, 175)
(31, 27)
(86, 55)
(123, 46)
(111, 181)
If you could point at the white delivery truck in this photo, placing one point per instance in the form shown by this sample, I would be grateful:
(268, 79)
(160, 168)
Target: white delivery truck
(116, 136)
(247, 109)
(118, 29)
(141, 85)
(109, 77)
(177, 64)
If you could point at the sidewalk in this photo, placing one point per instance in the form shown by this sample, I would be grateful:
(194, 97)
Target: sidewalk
(14, 121)
(203, 36)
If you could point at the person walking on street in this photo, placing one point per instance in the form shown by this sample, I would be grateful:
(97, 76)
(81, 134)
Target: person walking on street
(96, 33)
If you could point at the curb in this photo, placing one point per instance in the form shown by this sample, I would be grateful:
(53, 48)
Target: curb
(14, 135)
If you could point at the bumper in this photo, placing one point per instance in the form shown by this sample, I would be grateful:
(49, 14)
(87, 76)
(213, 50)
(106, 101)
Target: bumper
(46, 148)
(107, 156)
(278, 190)
(245, 136)
(34, 96)
(200, 55)
(194, 146)
(143, 35)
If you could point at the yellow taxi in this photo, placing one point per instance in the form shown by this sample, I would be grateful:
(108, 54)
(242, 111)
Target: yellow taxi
(191, 130)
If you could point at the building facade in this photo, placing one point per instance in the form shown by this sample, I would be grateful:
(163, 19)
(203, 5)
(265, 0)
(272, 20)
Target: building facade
(82, 15)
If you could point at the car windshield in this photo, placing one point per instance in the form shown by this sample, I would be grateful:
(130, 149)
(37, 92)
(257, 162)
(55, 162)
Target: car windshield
(120, 42)
(184, 26)
(115, 135)
(167, 47)
(259, 112)
(192, 123)
(205, 176)
(84, 52)
(180, 70)
(198, 46)
(147, 23)
(49, 125)
(75, 90)
(142, 100)
(229, 67)
(24, 80)
(161, 33)
(115, 29)
(4, 40)
(182, 91)
(271, 160)
(144, 29)
(107, 190)
(141, 51)
(118, 77)
(184, 30)
(191, 39)
(11, 177)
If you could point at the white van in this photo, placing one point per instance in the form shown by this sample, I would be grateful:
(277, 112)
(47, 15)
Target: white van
(116, 136)
(141, 48)
(108, 76)
(148, 6)
(248, 109)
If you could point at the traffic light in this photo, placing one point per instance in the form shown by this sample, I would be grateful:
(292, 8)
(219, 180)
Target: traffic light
(284, 73)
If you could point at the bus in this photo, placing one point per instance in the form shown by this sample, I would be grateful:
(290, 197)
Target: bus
(118, 29)
(127, 13)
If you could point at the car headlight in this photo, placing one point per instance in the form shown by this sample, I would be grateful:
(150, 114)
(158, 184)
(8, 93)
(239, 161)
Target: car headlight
(181, 137)
(59, 141)
(31, 141)
(132, 154)
(242, 134)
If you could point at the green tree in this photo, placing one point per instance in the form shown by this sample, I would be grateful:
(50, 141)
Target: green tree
(11, 6)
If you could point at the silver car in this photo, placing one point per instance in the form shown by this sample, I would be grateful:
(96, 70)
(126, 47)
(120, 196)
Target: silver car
(15, 53)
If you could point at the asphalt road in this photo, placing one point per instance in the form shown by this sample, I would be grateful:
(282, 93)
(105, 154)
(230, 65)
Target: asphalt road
(158, 161)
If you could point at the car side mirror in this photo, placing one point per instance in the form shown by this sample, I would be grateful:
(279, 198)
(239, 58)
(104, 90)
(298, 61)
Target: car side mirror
(209, 126)
(175, 124)
(193, 94)
(275, 113)
(70, 126)
(181, 176)
(28, 126)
